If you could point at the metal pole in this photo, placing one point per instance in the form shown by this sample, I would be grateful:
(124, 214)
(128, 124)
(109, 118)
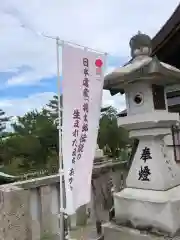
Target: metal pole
(61, 172)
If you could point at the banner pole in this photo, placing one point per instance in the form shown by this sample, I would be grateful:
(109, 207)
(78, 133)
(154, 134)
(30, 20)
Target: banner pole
(64, 234)
(61, 216)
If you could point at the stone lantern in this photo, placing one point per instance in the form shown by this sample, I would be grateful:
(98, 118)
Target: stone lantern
(151, 200)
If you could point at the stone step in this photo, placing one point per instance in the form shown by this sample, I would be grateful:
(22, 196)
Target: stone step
(115, 232)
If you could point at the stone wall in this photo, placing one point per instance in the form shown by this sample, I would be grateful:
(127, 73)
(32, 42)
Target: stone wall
(30, 209)
(107, 176)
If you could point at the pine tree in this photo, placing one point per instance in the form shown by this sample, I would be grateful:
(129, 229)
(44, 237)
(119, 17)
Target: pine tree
(52, 107)
(3, 121)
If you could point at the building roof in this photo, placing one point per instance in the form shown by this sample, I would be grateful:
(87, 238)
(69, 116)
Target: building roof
(6, 178)
(171, 27)
(122, 113)
(166, 43)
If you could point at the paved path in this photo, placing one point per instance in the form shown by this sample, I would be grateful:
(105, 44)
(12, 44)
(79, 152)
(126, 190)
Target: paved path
(84, 233)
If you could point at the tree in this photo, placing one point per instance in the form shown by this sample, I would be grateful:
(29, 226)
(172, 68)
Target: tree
(34, 140)
(52, 107)
(3, 121)
(110, 135)
(34, 143)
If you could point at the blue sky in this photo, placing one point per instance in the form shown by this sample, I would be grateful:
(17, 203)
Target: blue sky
(46, 84)
(28, 61)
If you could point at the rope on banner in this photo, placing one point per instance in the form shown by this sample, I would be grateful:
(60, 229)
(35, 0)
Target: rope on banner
(62, 42)
(84, 47)
(25, 24)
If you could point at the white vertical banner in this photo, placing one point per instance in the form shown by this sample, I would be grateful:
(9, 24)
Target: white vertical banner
(83, 78)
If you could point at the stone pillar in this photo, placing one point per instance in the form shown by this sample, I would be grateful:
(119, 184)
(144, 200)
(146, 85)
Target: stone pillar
(116, 179)
(46, 209)
(72, 220)
(35, 211)
(55, 210)
(81, 216)
(14, 214)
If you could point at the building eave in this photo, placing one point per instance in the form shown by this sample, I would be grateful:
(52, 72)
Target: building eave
(164, 35)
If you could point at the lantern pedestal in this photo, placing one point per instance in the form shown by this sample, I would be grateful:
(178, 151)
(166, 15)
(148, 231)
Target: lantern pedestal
(157, 211)
(113, 231)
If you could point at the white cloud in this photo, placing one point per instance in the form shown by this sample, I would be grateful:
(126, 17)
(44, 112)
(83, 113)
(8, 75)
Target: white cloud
(109, 69)
(99, 24)
(117, 101)
(19, 106)
(104, 25)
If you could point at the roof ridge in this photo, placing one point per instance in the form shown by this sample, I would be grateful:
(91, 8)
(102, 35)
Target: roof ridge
(167, 29)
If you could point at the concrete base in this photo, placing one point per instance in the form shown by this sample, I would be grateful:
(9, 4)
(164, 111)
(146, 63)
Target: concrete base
(115, 232)
(147, 209)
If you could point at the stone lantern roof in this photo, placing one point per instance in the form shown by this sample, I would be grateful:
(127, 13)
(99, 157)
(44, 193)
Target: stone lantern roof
(142, 67)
